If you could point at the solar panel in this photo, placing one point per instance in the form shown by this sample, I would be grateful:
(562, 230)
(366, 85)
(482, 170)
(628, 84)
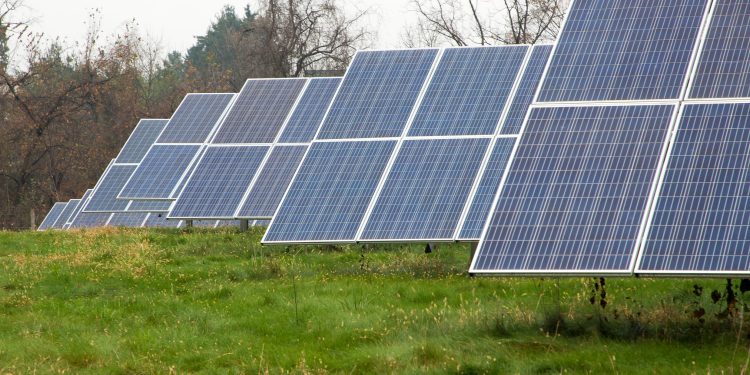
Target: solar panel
(91, 220)
(331, 191)
(623, 50)
(260, 111)
(78, 209)
(577, 191)
(150, 206)
(468, 91)
(128, 219)
(528, 86)
(261, 223)
(160, 172)
(487, 189)
(143, 136)
(195, 118)
(701, 220)
(309, 112)
(426, 190)
(52, 216)
(70, 208)
(157, 220)
(104, 197)
(268, 190)
(219, 182)
(377, 94)
(724, 67)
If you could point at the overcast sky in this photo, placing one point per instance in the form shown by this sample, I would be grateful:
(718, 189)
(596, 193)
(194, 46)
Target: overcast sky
(175, 23)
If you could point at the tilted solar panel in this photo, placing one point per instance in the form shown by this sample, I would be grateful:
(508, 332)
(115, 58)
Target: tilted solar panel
(70, 208)
(160, 172)
(91, 220)
(532, 77)
(143, 136)
(468, 91)
(78, 209)
(309, 112)
(701, 220)
(195, 118)
(52, 216)
(150, 206)
(624, 50)
(128, 219)
(158, 220)
(577, 192)
(104, 197)
(260, 111)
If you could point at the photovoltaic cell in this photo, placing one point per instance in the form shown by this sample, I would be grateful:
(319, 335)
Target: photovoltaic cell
(259, 111)
(468, 91)
(305, 121)
(724, 67)
(90, 220)
(159, 172)
(128, 219)
(79, 207)
(577, 191)
(701, 222)
(52, 216)
(104, 198)
(150, 206)
(330, 193)
(219, 182)
(527, 88)
(426, 190)
(487, 189)
(195, 118)
(70, 208)
(623, 50)
(143, 136)
(377, 94)
(273, 181)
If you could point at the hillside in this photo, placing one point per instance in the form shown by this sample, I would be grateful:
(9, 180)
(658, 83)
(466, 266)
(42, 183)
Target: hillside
(160, 301)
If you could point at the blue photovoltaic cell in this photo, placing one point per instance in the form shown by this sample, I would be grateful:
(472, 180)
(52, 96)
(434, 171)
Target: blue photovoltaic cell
(70, 208)
(724, 68)
(623, 50)
(532, 76)
(272, 182)
(79, 206)
(150, 206)
(468, 91)
(195, 118)
(52, 216)
(259, 111)
(331, 191)
(104, 198)
(128, 219)
(378, 94)
(143, 136)
(219, 182)
(90, 220)
(487, 189)
(160, 172)
(701, 221)
(426, 190)
(577, 191)
(308, 114)
(156, 220)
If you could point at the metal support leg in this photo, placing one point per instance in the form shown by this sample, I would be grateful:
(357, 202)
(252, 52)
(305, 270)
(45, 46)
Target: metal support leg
(472, 252)
(243, 225)
(188, 223)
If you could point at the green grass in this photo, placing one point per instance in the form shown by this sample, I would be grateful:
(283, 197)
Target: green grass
(215, 301)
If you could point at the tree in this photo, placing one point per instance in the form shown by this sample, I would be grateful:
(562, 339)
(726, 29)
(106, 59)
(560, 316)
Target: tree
(464, 23)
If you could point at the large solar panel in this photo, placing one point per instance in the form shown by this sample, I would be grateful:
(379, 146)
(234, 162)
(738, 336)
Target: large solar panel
(331, 191)
(143, 136)
(150, 206)
(157, 220)
(78, 209)
(272, 181)
(309, 112)
(104, 197)
(528, 86)
(426, 190)
(195, 118)
(577, 191)
(219, 182)
(91, 220)
(724, 67)
(70, 208)
(487, 189)
(160, 172)
(52, 216)
(468, 91)
(624, 50)
(701, 221)
(377, 94)
(260, 111)
(128, 219)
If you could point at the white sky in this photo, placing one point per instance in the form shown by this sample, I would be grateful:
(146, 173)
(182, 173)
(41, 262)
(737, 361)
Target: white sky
(175, 23)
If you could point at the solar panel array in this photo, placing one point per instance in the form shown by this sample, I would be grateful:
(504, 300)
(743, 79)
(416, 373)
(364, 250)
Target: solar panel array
(52, 216)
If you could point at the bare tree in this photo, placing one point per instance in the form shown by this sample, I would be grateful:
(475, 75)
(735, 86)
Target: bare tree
(468, 22)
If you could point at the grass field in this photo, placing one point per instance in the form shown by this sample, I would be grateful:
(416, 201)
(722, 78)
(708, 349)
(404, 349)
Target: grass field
(215, 301)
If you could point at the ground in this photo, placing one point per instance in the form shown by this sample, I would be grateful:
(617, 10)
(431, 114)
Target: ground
(216, 301)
